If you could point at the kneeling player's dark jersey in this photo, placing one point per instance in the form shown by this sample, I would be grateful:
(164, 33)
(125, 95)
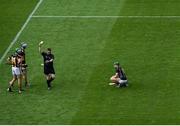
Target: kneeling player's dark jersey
(121, 74)
(48, 67)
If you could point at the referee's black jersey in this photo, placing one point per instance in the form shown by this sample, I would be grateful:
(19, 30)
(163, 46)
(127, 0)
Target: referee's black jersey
(47, 57)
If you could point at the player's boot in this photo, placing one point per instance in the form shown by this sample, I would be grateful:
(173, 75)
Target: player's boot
(27, 84)
(112, 84)
(9, 89)
(20, 92)
(126, 84)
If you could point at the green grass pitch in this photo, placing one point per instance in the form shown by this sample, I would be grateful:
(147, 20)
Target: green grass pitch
(85, 49)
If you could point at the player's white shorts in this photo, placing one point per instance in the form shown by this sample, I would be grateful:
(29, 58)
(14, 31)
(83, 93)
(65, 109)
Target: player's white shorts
(16, 71)
(123, 81)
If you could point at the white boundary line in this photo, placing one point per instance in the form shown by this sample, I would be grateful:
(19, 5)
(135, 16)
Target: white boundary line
(20, 31)
(51, 16)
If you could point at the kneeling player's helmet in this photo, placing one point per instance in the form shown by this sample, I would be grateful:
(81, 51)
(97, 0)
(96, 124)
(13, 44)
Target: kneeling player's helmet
(116, 63)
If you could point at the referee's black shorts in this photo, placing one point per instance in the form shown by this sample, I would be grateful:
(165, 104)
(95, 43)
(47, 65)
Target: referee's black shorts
(48, 71)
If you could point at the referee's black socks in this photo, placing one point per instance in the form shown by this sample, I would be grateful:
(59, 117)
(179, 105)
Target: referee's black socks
(49, 82)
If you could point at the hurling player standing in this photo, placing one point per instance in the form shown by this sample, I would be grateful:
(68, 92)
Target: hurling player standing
(15, 61)
(48, 65)
(24, 65)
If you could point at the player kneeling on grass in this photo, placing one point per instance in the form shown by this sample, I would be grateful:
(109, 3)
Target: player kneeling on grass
(48, 65)
(15, 60)
(119, 78)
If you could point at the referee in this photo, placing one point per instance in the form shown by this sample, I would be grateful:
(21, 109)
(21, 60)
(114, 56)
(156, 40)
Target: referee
(48, 65)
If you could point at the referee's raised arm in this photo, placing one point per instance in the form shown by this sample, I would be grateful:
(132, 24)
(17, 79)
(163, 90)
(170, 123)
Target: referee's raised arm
(40, 44)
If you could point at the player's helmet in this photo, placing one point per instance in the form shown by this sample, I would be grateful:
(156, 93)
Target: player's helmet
(116, 63)
(49, 49)
(18, 51)
(23, 45)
